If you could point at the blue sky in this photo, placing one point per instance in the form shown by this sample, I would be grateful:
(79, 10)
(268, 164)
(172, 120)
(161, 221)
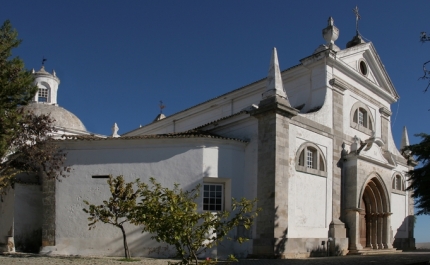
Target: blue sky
(118, 59)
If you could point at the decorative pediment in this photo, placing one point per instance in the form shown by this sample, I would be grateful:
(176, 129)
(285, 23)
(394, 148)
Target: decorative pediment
(374, 151)
(371, 151)
(364, 62)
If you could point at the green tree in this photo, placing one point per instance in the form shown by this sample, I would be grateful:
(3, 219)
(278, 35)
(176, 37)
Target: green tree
(118, 210)
(16, 85)
(420, 177)
(25, 144)
(172, 215)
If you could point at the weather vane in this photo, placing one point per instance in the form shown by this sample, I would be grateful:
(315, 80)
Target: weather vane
(357, 18)
(162, 106)
(44, 60)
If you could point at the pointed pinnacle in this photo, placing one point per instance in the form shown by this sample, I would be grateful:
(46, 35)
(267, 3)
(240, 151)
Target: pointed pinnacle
(274, 79)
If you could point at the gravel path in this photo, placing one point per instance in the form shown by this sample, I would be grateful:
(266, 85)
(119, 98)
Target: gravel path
(411, 258)
(30, 259)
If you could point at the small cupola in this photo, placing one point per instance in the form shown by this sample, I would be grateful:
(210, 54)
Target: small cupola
(48, 86)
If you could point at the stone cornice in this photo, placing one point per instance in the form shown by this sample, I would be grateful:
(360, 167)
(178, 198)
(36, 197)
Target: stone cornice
(338, 85)
(275, 104)
(354, 155)
(386, 113)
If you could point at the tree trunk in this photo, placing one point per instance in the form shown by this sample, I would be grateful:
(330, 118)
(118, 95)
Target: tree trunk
(124, 237)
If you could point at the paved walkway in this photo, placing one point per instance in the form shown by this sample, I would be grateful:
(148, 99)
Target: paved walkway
(411, 258)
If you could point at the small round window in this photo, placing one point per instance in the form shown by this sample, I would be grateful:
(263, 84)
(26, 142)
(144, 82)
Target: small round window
(363, 68)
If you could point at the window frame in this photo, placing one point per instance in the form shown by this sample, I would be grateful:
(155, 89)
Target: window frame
(367, 123)
(319, 161)
(226, 184)
(45, 94)
(211, 196)
(363, 67)
(396, 181)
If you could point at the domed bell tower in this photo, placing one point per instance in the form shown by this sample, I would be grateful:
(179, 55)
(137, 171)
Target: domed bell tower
(48, 86)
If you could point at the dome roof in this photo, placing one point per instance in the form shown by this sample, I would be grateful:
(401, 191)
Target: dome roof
(63, 118)
(42, 72)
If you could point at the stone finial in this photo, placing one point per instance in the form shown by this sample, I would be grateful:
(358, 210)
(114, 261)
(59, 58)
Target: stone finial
(54, 73)
(405, 138)
(275, 86)
(405, 143)
(330, 34)
(32, 71)
(115, 130)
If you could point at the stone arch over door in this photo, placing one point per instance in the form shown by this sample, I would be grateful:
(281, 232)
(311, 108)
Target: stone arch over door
(374, 222)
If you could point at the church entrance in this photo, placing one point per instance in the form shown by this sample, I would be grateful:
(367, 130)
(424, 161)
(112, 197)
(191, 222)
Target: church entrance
(374, 217)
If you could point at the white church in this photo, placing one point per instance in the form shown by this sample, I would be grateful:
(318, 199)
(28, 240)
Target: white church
(313, 143)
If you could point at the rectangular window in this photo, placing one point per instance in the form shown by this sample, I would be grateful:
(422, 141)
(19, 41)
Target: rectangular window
(309, 158)
(398, 183)
(360, 117)
(43, 95)
(213, 197)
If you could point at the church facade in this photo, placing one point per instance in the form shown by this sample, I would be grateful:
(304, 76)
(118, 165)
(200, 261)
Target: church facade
(313, 143)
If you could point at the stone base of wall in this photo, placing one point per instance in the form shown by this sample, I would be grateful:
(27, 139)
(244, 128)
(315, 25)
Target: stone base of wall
(404, 243)
(48, 250)
(294, 248)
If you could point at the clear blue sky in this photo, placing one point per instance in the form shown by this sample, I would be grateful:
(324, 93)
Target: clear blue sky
(118, 59)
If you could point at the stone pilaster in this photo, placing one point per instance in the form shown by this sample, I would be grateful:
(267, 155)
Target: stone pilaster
(352, 217)
(337, 228)
(387, 231)
(273, 117)
(385, 123)
(379, 236)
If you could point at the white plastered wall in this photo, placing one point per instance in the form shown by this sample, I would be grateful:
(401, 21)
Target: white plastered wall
(181, 161)
(398, 218)
(309, 196)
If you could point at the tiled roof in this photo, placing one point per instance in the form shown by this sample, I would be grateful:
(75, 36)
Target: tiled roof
(220, 119)
(186, 134)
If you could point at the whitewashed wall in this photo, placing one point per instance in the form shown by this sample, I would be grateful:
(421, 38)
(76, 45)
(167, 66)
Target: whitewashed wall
(309, 196)
(184, 161)
(398, 218)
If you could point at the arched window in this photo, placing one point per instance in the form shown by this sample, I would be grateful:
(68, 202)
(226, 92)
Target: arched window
(310, 159)
(43, 94)
(361, 118)
(398, 183)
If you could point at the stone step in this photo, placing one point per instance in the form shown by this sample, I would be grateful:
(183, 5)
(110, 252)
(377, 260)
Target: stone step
(373, 251)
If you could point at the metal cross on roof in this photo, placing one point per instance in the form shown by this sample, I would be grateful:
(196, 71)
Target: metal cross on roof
(162, 106)
(44, 60)
(357, 18)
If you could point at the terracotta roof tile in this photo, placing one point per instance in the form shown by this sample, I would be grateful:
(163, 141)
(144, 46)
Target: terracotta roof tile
(186, 134)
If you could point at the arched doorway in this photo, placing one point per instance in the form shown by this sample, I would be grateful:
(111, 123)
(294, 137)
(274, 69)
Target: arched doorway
(374, 221)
